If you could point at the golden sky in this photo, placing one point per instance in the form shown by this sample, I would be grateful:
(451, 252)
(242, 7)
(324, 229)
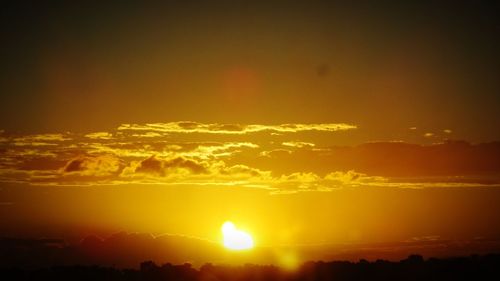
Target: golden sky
(286, 184)
(325, 129)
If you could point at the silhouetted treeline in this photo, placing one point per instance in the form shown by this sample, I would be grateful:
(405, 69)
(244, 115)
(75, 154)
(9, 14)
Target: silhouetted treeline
(474, 267)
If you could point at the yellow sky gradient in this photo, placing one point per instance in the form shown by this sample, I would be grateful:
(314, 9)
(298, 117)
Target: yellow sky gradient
(282, 183)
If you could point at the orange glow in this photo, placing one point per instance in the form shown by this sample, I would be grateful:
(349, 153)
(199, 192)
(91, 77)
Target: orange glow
(249, 131)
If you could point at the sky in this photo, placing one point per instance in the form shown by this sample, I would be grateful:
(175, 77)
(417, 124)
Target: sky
(325, 129)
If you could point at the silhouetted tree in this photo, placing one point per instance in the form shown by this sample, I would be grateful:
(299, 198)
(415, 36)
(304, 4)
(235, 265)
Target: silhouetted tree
(412, 268)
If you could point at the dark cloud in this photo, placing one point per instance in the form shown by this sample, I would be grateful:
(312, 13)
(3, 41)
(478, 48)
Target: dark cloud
(390, 159)
(157, 166)
(41, 163)
(75, 165)
(96, 166)
(150, 165)
(188, 125)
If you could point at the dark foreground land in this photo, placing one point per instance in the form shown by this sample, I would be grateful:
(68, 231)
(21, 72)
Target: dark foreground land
(413, 268)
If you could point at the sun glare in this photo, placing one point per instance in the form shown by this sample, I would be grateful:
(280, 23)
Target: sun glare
(235, 239)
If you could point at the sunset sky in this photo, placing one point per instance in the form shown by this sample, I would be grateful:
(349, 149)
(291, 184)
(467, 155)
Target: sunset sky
(323, 129)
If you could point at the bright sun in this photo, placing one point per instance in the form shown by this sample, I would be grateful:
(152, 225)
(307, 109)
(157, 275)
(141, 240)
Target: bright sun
(234, 238)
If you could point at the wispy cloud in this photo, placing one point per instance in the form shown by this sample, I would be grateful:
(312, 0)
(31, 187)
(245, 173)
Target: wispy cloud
(99, 135)
(299, 144)
(42, 137)
(215, 128)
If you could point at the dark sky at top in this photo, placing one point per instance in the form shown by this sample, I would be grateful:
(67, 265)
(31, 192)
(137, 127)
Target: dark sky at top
(382, 65)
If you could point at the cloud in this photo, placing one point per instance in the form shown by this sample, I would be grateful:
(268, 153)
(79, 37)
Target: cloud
(165, 167)
(148, 135)
(136, 155)
(353, 178)
(98, 166)
(179, 170)
(244, 171)
(42, 137)
(233, 129)
(297, 182)
(144, 148)
(449, 159)
(100, 135)
(298, 144)
(39, 140)
(275, 153)
(216, 150)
